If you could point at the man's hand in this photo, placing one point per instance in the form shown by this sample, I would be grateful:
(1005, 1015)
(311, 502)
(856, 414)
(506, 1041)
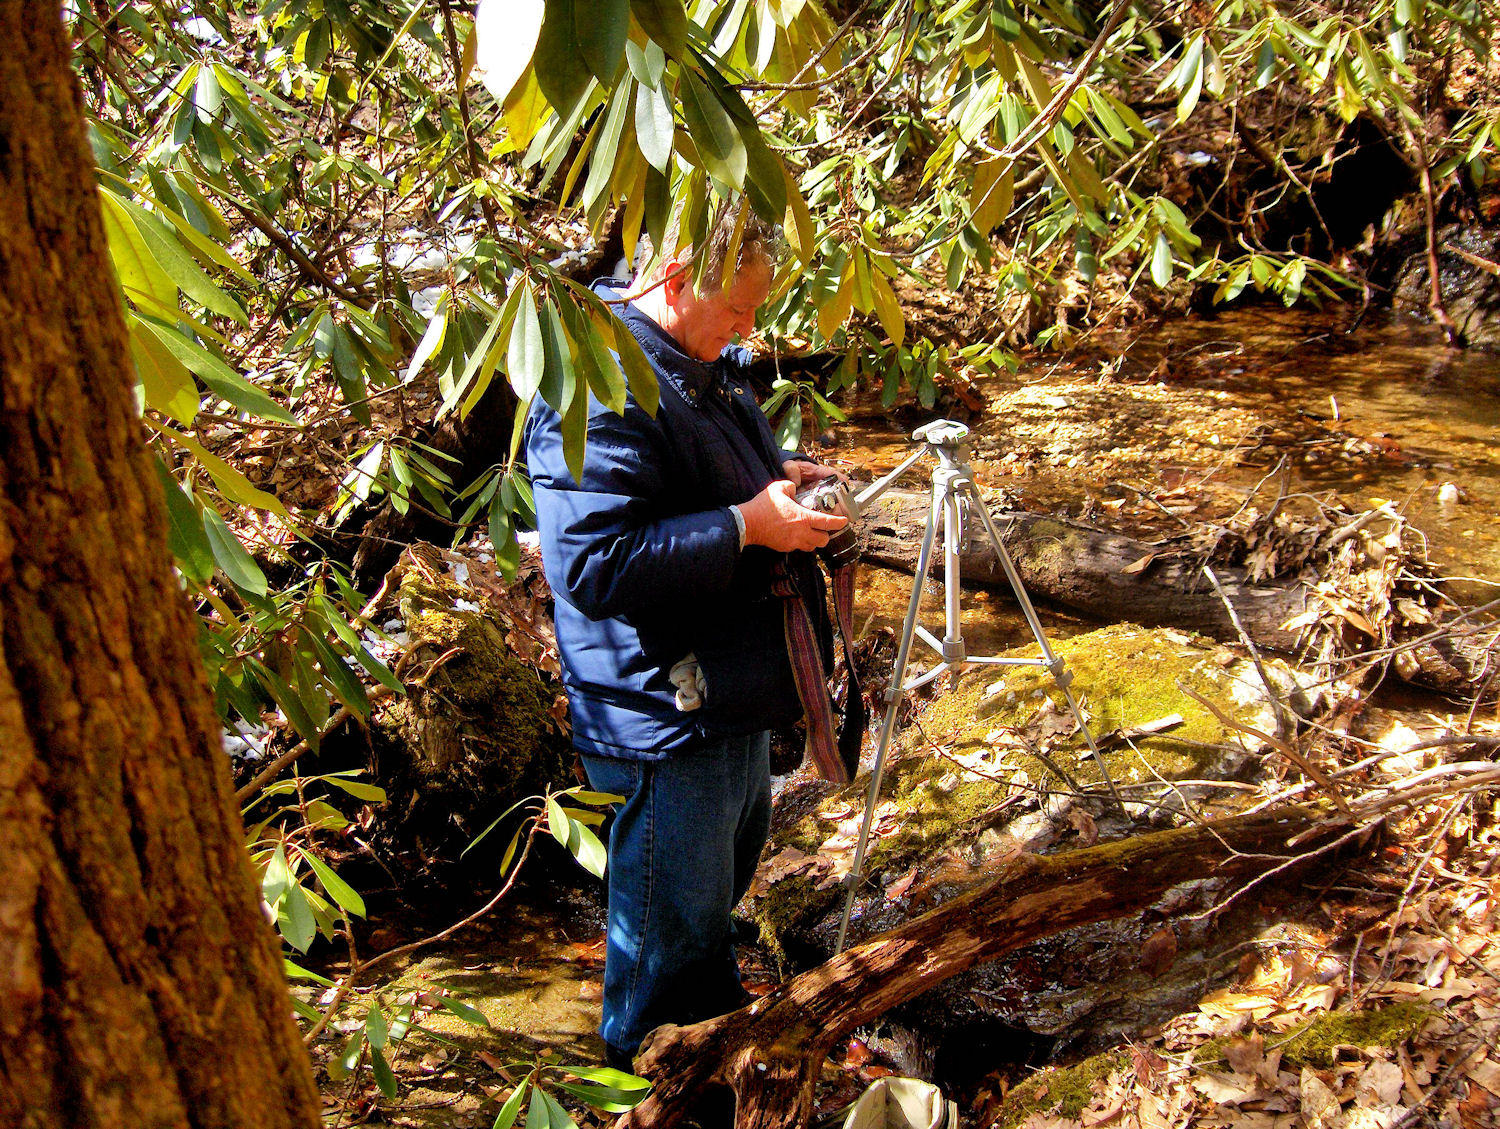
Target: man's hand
(774, 519)
(805, 474)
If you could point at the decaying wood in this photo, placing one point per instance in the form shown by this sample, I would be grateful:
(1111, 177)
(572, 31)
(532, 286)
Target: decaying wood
(1102, 574)
(770, 1053)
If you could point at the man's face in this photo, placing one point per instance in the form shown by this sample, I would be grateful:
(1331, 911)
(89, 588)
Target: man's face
(703, 324)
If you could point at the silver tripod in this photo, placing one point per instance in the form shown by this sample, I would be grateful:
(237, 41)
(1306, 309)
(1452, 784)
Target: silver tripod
(953, 491)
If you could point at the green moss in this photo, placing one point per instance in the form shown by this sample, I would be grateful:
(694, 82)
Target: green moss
(1124, 675)
(1064, 1091)
(1316, 1042)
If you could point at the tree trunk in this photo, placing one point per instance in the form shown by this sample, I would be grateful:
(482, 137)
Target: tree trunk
(770, 1053)
(141, 984)
(1084, 569)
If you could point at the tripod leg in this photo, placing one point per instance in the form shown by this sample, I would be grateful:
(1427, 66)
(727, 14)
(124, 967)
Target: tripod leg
(953, 524)
(1052, 663)
(895, 694)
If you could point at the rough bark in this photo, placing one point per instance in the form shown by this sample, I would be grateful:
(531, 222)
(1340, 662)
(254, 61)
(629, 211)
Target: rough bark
(141, 984)
(770, 1053)
(1084, 569)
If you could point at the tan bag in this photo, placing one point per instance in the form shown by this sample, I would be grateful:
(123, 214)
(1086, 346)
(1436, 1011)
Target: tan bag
(902, 1103)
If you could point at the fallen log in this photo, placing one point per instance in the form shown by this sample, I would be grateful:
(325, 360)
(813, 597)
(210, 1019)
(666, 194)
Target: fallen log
(1113, 577)
(770, 1053)
(1086, 569)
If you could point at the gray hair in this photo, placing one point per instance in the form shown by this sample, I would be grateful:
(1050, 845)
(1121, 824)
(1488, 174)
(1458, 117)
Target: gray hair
(760, 242)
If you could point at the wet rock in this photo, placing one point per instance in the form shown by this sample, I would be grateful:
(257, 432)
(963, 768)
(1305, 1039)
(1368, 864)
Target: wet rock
(1471, 288)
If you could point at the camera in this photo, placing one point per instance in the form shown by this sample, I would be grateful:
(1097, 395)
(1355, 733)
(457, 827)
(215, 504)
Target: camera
(831, 496)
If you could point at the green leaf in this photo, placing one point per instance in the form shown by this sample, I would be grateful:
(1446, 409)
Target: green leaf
(348, 687)
(160, 239)
(512, 1107)
(604, 377)
(789, 431)
(464, 1011)
(277, 879)
(557, 1116)
(1190, 79)
(1161, 260)
(186, 537)
(360, 791)
(583, 844)
(557, 821)
(607, 147)
(526, 360)
(603, 38)
(222, 380)
(297, 972)
(654, 126)
(237, 564)
(639, 374)
(375, 1027)
(647, 63)
(348, 1058)
(538, 1113)
(341, 892)
(432, 340)
(604, 1097)
(585, 796)
(720, 147)
(665, 21)
(290, 703)
(609, 1076)
(385, 1078)
(575, 427)
(296, 919)
(559, 64)
(558, 378)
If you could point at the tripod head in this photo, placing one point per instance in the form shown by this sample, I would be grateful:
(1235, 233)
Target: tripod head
(944, 438)
(944, 433)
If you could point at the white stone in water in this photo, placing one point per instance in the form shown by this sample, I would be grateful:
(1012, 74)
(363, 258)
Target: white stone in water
(1449, 494)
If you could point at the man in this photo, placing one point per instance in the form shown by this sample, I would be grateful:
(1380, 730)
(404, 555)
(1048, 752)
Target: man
(674, 654)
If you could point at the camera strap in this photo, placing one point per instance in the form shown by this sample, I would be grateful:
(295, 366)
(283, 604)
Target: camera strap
(833, 751)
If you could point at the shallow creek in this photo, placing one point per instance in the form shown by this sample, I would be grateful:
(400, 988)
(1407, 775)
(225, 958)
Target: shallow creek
(1385, 413)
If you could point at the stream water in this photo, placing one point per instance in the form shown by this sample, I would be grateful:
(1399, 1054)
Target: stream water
(1415, 414)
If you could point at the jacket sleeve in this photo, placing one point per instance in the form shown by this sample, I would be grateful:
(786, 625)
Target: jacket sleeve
(605, 547)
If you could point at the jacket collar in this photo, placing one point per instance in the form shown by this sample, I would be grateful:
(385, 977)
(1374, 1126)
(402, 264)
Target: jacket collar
(690, 376)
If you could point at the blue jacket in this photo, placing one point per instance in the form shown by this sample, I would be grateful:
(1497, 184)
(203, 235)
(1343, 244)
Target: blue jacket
(643, 556)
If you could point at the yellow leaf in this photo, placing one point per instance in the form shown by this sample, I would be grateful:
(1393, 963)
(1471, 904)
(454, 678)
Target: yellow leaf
(888, 309)
(990, 198)
(799, 226)
(234, 485)
(836, 310)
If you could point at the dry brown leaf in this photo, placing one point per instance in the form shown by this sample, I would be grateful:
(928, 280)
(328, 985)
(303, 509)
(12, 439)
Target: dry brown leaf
(1227, 1089)
(1320, 1105)
(1378, 1085)
(898, 888)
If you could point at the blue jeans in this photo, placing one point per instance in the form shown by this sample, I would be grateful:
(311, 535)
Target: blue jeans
(682, 851)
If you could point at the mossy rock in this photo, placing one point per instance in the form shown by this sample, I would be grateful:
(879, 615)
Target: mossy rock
(475, 732)
(949, 821)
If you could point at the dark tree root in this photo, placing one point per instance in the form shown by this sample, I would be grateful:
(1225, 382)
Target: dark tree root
(770, 1052)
